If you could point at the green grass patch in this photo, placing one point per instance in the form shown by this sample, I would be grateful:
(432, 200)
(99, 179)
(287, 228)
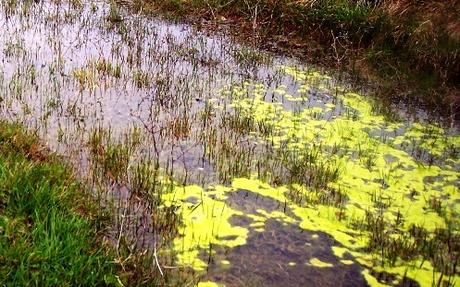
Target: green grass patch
(48, 225)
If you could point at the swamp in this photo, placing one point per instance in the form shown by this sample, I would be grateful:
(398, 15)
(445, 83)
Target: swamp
(137, 149)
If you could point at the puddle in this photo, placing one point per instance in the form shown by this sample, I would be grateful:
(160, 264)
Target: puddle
(273, 167)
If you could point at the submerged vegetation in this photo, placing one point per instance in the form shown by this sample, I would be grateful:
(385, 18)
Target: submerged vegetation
(187, 159)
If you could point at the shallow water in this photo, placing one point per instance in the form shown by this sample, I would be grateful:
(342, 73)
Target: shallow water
(271, 165)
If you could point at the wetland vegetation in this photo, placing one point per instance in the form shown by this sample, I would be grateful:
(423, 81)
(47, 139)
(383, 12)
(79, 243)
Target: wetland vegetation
(408, 47)
(139, 151)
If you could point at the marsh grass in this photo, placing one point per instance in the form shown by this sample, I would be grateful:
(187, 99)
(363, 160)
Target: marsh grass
(392, 243)
(143, 228)
(114, 14)
(398, 43)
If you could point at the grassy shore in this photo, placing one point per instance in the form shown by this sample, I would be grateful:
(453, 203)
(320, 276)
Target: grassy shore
(48, 226)
(409, 47)
(52, 229)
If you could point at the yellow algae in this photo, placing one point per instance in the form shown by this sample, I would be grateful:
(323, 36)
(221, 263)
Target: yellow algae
(257, 224)
(428, 137)
(315, 111)
(318, 263)
(367, 178)
(303, 89)
(208, 284)
(362, 185)
(258, 220)
(346, 262)
(204, 225)
(377, 176)
(339, 251)
(259, 187)
(371, 280)
(276, 215)
(294, 99)
(323, 220)
(424, 276)
(280, 91)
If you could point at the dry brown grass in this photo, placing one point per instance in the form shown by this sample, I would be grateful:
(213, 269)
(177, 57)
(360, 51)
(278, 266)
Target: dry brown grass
(430, 31)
